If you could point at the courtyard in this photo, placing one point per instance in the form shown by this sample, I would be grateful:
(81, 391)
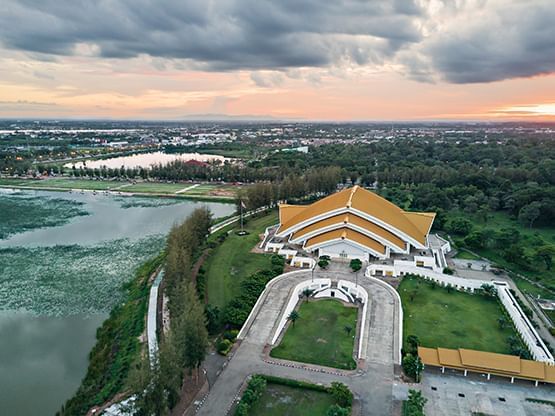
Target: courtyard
(453, 319)
(323, 334)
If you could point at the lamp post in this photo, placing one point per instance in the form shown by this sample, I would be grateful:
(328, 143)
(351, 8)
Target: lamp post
(356, 279)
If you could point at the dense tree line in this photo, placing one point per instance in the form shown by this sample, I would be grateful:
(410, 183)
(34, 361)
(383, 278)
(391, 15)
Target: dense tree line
(158, 383)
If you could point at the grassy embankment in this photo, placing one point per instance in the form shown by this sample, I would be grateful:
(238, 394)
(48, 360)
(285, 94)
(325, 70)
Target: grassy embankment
(117, 346)
(304, 341)
(232, 261)
(452, 320)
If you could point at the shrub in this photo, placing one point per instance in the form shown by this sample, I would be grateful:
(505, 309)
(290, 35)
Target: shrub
(448, 270)
(336, 410)
(341, 394)
(255, 389)
(224, 346)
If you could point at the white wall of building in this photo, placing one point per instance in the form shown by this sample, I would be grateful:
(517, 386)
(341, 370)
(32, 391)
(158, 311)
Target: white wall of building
(342, 249)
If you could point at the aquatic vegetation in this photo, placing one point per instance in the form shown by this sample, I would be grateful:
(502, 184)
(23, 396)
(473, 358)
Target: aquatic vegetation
(136, 202)
(71, 279)
(21, 212)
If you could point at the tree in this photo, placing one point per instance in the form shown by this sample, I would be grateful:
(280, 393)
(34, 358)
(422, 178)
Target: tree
(475, 239)
(355, 265)
(323, 263)
(146, 381)
(307, 293)
(293, 316)
(460, 226)
(413, 342)
(414, 406)
(545, 254)
(412, 366)
(502, 321)
(528, 214)
(336, 410)
(341, 394)
(489, 290)
(348, 329)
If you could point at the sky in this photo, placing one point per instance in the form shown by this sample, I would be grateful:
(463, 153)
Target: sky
(337, 60)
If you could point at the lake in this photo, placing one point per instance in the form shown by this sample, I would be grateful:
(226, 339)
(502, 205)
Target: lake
(58, 284)
(144, 160)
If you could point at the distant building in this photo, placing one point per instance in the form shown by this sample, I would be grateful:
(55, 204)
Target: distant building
(352, 223)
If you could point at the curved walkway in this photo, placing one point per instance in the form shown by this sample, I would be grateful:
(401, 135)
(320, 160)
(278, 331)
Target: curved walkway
(372, 383)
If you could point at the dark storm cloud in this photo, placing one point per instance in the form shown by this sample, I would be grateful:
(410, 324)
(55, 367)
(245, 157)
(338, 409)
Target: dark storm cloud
(502, 39)
(218, 35)
(516, 40)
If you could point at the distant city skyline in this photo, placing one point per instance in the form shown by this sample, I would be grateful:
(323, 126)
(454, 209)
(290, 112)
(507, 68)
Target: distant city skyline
(292, 60)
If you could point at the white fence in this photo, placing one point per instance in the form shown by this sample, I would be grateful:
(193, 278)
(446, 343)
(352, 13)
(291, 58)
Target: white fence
(530, 336)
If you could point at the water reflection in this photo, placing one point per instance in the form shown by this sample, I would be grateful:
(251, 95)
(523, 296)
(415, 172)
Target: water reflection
(145, 160)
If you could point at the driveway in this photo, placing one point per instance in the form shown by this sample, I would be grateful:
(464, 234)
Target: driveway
(372, 383)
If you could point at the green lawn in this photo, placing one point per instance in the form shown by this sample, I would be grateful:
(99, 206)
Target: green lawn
(63, 183)
(319, 337)
(155, 187)
(280, 400)
(466, 255)
(452, 320)
(232, 261)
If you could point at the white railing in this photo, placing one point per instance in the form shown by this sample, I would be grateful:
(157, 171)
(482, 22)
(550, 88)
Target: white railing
(524, 327)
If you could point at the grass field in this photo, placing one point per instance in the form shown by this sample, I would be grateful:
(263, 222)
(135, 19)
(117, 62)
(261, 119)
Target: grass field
(216, 191)
(307, 342)
(452, 320)
(280, 400)
(232, 261)
(466, 255)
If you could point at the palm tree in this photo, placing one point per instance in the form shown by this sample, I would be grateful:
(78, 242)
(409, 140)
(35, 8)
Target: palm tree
(307, 293)
(293, 316)
(348, 329)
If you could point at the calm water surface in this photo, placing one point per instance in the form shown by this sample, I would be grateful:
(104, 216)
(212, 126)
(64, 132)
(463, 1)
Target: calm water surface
(145, 160)
(44, 358)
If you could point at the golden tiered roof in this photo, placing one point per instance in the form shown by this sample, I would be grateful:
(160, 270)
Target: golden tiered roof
(415, 225)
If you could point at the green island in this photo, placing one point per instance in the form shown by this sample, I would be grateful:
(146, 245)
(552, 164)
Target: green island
(304, 340)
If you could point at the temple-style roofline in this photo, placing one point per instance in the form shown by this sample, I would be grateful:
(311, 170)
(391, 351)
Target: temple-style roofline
(342, 220)
(356, 200)
(347, 234)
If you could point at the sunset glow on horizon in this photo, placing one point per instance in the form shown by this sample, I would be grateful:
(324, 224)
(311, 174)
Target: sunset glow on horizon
(414, 60)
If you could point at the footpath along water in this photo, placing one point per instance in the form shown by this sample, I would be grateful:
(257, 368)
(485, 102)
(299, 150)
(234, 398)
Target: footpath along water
(58, 284)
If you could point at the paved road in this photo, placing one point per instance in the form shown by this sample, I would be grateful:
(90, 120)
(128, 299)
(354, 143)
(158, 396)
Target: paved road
(372, 383)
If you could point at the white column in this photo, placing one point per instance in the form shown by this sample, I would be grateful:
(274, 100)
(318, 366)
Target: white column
(536, 383)
(465, 372)
(489, 376)
(512, 379)
(442, 370)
